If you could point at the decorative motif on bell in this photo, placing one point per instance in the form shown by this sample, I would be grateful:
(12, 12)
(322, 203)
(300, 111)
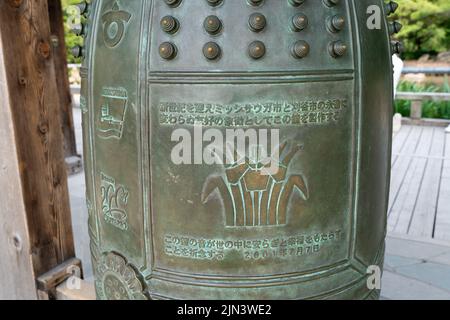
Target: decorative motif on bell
(257, 22)
(299, 22)
(395, 27)
(391, 7)
(211, 51)
(335, 23)
(118, 280)
(331, 3)
(255, 3)
(167, 50)
(173, 3)
(212, 25)
(337, 49)
(300, 49)
(170, 24)
(214, 3)
(296, 3)
(114, 23)
(257, 50)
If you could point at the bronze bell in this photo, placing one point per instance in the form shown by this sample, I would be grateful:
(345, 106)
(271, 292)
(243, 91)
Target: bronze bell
(236, 149)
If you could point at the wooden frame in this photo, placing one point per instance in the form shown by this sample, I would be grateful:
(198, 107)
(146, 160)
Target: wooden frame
(35, 221)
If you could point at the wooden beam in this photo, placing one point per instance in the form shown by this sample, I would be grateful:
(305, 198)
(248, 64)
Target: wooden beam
(62, 76)
(16, 268)
(33, 102)
(48, 282)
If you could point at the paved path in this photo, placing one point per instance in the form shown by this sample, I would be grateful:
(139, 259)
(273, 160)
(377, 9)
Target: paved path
(416, 270)
(413, 269)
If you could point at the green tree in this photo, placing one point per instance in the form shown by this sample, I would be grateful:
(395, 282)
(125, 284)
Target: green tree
(426, 26)
(71, 39)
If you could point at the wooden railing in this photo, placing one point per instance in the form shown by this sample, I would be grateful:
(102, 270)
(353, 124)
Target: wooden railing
(417, 99)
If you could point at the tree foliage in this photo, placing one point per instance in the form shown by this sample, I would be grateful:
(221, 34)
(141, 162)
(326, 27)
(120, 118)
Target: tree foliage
(426, 26)
(70, 13)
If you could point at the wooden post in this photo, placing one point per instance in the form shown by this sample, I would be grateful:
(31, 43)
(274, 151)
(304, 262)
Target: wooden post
(73, 159)
(16, 268)
(416, 109)
(34, 177)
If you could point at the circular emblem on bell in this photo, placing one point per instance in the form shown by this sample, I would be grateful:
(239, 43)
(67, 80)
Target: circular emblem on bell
(337, 49)
(212, 25)
(299, 22)
(296, 3)
(118, 280)
(167, 50)
(214, 3)
(114, 24)
(169, 24)
(257, 22)
(211, 51)
(300, 49)
(257, 50)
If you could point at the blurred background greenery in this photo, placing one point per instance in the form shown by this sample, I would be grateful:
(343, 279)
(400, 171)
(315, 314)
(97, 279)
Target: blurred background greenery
(71, 39)
(426, 26)
(426, 31)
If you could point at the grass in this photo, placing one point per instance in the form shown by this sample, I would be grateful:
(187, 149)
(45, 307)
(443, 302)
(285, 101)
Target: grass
(431, 109)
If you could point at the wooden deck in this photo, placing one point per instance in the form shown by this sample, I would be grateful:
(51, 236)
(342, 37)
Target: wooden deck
(419, 203)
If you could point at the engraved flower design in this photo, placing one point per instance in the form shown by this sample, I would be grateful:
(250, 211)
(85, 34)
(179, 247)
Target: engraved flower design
(118, 280)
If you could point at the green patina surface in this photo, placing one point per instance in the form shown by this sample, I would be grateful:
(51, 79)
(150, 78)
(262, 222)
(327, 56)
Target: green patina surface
(161, 230)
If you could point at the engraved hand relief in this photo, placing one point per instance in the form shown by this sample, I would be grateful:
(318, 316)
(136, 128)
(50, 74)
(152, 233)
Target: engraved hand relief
(114, 202)
(113, 111)
(252, 198)
(114, 25)
(118, 280)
